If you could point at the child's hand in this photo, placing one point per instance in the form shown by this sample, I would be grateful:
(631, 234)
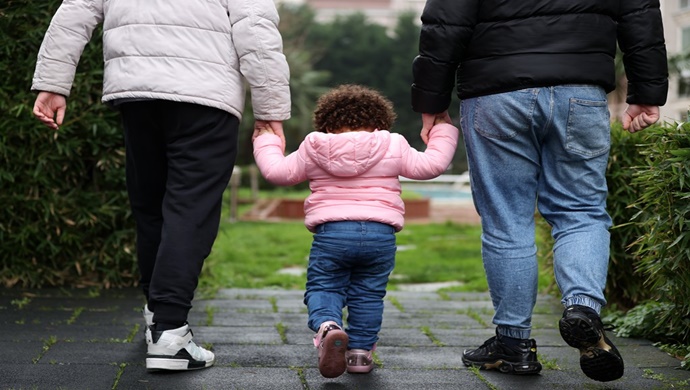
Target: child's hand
(265, 130)
(442, 118)
(431, 120)
(269, 127)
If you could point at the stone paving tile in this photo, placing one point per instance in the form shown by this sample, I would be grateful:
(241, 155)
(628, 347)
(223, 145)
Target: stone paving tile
(442, 306)
(266, 355)
(242, 319)
(22, 352)
(300, 334)
(258, 335)
(568, 361)
(55, 376)
(94, 353)
(411, 337)
(29, 316)
(237, 305)
(431, 358)
(554, 379)
(95, 340)
(23, 332)
(408, 378)
(218, 378)
(465, 338)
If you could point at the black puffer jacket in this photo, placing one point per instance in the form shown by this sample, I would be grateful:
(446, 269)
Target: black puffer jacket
(499, 45)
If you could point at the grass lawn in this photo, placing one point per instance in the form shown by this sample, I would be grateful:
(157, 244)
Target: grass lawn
(253, 254)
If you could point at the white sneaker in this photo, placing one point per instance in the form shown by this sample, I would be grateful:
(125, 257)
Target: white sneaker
(174, 350)
(148, 315)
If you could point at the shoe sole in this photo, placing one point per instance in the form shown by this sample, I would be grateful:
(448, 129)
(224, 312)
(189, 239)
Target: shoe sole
(332, 361)
(596, 359)
(530, 368)
(360, 370)
(161, 363)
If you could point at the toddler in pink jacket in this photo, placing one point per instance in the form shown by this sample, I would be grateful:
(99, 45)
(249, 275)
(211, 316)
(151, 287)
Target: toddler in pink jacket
(352, 164)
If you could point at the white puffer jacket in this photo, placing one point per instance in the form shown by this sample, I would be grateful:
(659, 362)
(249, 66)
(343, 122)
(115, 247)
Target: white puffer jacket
(194, 51)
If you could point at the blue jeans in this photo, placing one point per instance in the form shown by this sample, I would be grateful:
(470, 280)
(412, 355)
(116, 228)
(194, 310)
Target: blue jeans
(349, 265)
(544, 147)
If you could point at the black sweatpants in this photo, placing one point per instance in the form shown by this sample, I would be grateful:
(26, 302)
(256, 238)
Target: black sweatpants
(179, 160)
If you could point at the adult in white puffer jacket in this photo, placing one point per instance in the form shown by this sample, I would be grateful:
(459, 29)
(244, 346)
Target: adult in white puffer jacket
(176, 70)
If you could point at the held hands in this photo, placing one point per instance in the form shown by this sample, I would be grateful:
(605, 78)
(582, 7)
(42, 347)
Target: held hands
(430, 120)
(264, 127)
(49, 108)
(638, 117)
(265, 130)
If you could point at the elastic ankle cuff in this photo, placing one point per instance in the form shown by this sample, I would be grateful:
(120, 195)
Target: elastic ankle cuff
(583, 301)
(514, 333)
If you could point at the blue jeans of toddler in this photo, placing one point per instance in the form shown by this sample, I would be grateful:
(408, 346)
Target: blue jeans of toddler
(349, 266)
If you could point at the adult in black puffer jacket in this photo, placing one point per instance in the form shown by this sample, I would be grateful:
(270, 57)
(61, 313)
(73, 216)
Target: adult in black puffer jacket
(498, 46)
(532, 77)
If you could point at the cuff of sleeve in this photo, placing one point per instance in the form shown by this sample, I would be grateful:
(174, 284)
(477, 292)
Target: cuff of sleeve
(429, 102)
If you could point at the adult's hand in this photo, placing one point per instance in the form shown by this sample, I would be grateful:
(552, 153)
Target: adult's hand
(638, 117)
(50, 108)
(276, 126)
(429, 120)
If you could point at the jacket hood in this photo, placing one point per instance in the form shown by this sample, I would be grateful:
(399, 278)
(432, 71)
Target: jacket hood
(347, 154)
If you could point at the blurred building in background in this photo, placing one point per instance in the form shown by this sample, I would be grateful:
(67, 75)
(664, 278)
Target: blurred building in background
(676, 15)
(383, 12)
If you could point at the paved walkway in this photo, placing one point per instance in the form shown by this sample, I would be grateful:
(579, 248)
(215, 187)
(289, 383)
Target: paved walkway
(73, 339)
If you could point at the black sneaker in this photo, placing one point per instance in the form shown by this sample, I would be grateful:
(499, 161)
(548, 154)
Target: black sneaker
(494, 354)
(581, 328)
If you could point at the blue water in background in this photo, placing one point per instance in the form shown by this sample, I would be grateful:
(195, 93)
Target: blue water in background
(443, 194)
(445, 187)
(438, 192)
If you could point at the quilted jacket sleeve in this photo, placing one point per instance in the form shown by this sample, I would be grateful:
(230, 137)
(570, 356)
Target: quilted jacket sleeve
(259, 47)
(641, 39)
(443, 140)
(69, 31)
(274, 166)
(447, 27)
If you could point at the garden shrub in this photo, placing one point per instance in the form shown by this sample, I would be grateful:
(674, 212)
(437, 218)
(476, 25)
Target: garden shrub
(663, 216)
(625, 286)
(649, 201)
(65, 217)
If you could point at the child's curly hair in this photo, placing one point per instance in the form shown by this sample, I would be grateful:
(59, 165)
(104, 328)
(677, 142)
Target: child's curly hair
(353, 107)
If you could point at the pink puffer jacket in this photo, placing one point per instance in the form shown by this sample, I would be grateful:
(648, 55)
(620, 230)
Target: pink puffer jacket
(353, 176)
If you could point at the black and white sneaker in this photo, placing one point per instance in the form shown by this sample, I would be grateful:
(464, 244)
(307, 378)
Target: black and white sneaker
(148, 315)
(581, 328)
(174, 350)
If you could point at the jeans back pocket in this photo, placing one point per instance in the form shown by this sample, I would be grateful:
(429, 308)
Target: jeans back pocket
(588, 132)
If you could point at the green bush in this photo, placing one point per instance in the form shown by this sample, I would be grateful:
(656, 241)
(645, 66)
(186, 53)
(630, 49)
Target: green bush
(65, 216)
(625, 286)
(663, 215)
(649, 201)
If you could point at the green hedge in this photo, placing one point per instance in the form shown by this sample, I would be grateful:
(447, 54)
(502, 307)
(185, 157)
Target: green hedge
(64, 219)
(648, 284)
(625, 286)
(660, 252)
(663, 215)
